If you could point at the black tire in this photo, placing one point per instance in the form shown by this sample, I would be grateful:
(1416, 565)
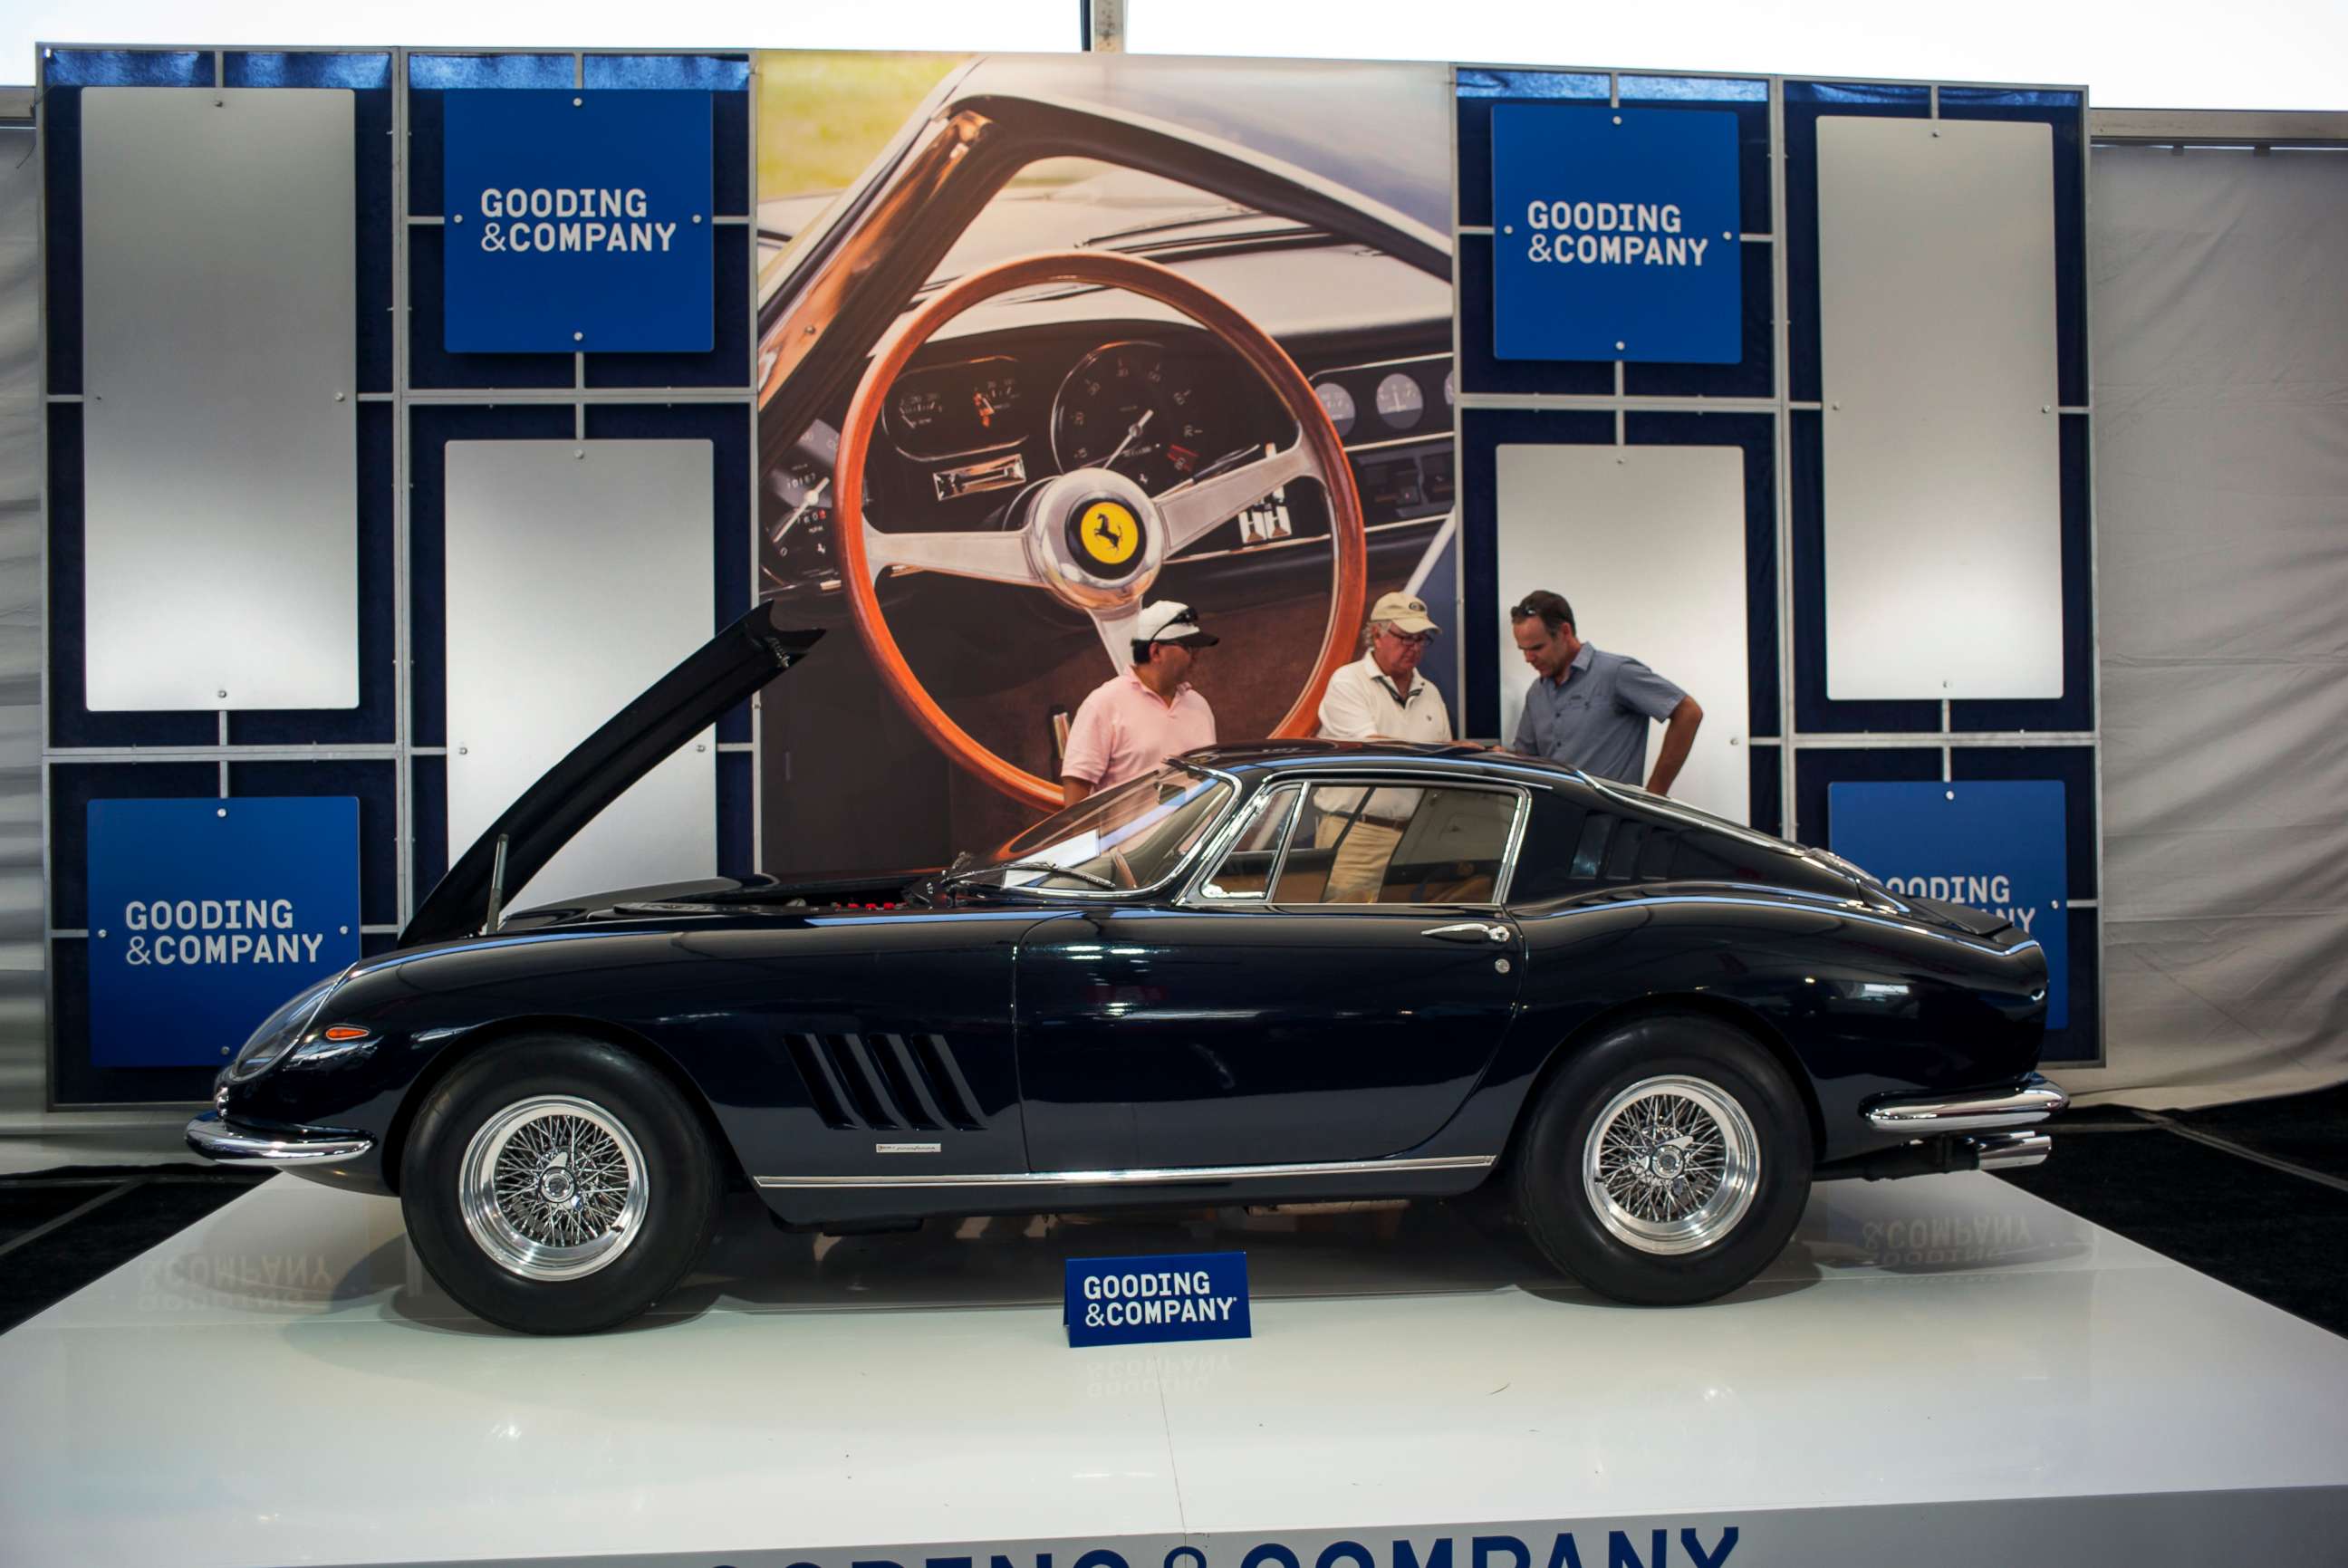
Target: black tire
(1709, 1072)
(545, 1086)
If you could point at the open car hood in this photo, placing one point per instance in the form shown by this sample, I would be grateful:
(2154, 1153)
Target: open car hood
(722, 672)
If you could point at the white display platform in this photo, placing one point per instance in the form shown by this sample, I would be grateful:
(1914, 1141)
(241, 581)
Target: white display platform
(1939, 1371)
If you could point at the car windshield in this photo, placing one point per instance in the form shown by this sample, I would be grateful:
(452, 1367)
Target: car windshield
(1128, 836)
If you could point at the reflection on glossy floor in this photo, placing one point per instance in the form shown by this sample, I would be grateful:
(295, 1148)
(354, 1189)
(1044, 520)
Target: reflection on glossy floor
(281, 1383)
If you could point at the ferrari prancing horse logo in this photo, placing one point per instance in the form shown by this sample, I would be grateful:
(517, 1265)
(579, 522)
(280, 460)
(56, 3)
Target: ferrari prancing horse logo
(1110, 532)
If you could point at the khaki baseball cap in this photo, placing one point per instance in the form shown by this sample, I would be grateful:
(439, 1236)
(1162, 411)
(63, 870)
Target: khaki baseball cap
(1404, 612)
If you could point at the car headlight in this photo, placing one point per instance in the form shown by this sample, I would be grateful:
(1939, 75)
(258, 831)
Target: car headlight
(281, 1030)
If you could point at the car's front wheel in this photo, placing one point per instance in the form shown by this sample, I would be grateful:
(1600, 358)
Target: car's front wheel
(1666, 1162)
(557, 1185)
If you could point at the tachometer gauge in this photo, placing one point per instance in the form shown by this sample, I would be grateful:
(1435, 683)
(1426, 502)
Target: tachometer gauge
(1400, 402)
(1131, 407)
(1338, 404)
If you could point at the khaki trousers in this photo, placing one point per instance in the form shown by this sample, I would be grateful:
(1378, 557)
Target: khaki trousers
(1360, 867)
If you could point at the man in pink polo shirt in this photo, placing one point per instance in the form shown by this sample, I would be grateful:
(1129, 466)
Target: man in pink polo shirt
(1135, 721)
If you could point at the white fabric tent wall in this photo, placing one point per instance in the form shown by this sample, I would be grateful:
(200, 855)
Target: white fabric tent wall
(2221, 343)
(24, 912)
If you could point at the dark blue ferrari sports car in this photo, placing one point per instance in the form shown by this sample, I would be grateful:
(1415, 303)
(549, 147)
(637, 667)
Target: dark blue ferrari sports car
(1647, 1028)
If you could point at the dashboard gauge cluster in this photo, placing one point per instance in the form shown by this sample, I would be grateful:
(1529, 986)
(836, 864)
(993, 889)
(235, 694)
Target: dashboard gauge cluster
(1393, 400)
(1153, 413)
(956, 410)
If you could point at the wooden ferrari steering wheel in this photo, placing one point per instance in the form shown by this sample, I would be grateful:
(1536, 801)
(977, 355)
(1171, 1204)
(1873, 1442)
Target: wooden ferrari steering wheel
(1049, 548)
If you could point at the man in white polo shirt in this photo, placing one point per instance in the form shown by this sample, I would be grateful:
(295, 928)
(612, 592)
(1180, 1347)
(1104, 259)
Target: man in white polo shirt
(1133, 722)
(1378, 697)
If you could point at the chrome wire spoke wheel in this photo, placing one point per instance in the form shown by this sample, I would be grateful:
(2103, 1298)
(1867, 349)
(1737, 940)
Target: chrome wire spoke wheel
(1671, 1165)
(552, 1188)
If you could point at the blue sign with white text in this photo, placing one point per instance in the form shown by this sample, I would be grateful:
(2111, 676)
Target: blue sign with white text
(1995, 845)
(1134, 1301)
(205, 914)
(1615, 235)
(578, 220)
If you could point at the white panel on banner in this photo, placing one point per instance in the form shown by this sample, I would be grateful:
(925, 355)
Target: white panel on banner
(578, 573)
(1647, 544)
(221, 415)
(1942, 473)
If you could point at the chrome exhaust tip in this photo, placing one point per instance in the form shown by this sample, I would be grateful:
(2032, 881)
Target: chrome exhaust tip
(2013, 1151)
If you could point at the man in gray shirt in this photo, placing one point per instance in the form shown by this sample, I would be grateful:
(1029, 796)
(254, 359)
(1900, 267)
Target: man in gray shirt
(1590, 708)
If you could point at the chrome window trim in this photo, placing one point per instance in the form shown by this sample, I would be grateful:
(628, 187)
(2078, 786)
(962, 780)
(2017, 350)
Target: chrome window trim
(1374, 776)
(1181, 867)
(1228, 841)
(1160, 1176)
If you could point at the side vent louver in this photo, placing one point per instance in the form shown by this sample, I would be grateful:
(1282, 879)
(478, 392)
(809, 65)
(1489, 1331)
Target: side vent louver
(885, 1083)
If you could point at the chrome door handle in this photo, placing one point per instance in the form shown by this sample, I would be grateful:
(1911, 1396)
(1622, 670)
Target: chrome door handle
(1468, 931)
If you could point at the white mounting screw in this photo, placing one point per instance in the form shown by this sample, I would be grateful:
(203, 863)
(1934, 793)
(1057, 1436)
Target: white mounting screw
(1949, 794)
(1618, 119)
(1619, 345)
(223, 694)
(101, 932)
(456, 217)
(463, 751)
(578, 451)
(577, 102)
(697, 217)
(578, 338)
(221, 812)
(1729, 233)
(1508, 228)
(342, 930)
(342, 398)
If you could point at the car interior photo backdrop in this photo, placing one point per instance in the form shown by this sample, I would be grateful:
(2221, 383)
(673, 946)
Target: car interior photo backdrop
(997, 293)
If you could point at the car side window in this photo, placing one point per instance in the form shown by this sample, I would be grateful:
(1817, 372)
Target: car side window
(1392, 844)
(1246, 865)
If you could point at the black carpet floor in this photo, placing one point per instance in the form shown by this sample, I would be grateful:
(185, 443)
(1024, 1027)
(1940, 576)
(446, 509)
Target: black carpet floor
(2206, 1188)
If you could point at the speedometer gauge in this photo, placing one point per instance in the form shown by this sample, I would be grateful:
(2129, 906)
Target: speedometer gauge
(1338, 404)
(1133, 408)
(1400, 402)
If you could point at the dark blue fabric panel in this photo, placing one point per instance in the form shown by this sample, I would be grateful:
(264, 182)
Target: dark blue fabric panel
(374, 944)
(729, 122)
(2076, 708)
(71, 723)
(73, 786)
(127, 69)
(1483, 431)
(1757, 434)
(376, 786)
(73, 1080)
(430, 363)
(1806, 103)
(1813, 713)
(375, 719)
(727, 362)
(431, 426)
(2081, 1039)
(2068, 120)
(1767, 810)
(429, 76)
(2074, 766)
(1754, 374)
(300, 69)
(61, 268)
(737, 807)
(714, 73)
(1814, 768)
(427, 818)
(1478, 91)
(1749, 102)
(1479, 371)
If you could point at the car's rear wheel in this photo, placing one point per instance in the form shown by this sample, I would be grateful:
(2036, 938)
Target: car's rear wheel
(1666, 1162)
(557, 1185)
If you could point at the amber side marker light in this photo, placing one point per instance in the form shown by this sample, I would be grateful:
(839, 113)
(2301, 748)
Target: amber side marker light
(344, 1032)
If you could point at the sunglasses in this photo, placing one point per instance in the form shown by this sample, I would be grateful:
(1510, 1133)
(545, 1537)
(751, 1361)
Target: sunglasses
(1415, 639)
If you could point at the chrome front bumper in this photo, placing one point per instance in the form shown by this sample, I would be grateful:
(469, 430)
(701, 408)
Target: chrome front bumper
(215, 1138)
(1991, 1110)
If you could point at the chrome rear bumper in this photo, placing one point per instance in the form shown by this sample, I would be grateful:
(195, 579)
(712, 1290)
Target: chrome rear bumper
(214, 1139)
(1988, 1111)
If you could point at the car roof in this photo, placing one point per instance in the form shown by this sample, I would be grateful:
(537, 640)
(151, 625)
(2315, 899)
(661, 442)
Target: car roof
(1273, 758)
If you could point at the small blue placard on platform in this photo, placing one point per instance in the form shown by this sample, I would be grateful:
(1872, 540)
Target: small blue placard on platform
(578, 221)
(1135, 1301)
(1996, 845)
(205, 914)
(1615, 235)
